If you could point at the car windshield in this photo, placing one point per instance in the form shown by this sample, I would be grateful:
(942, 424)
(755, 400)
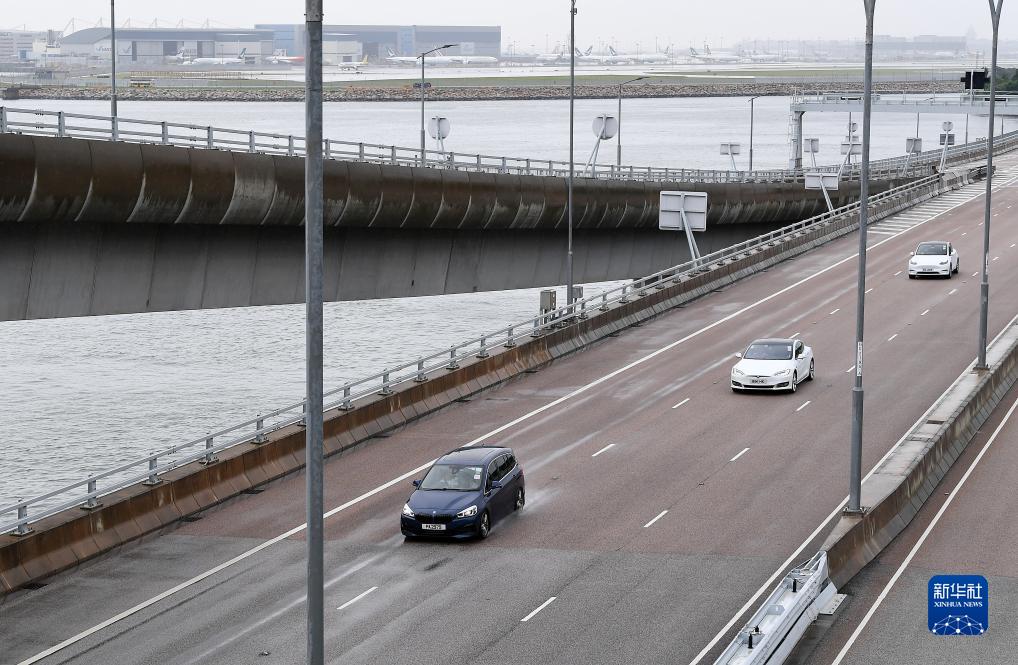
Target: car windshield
(453, 477)
(931, 249)
(769, 351)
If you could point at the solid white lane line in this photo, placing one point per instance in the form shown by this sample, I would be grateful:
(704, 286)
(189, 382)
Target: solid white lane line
(922, 539)
(952, 292)
(794, 335)
(835, 311)
(355, 599)
(804, 405)
(891, 338)
(610, 445)
(409, 474)
(539, 608)
(898, 273)
(744, 451)
(925, 312)
(870, 289)
(681, 403)
(882, 233)
(659, 516)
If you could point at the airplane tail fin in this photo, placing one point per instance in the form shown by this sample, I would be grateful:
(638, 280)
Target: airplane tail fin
(692, 52)
(390, 52)
(706, 49)
(589, 49)
(667, 49)
(242, 53)
(612, 51)
(364, 60)
(578, 52)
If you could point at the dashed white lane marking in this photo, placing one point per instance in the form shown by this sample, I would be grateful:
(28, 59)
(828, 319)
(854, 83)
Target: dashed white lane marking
(836, 311)
(952, 292)
(995, 258)
(922, 539)
(1013, 244)
(539, 608)
(975, 274)
(794, 335)
(804, 405)
(610, 445)
(925, 312)
(883, 233)
(681, 403)
(849, 369)
(744, 451)
(659, 516)
(870, 289)
(355, 599)
(891, 338)
(965, 233)
(898, 273)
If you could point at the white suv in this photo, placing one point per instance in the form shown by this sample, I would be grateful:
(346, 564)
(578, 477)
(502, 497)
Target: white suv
(933, 258)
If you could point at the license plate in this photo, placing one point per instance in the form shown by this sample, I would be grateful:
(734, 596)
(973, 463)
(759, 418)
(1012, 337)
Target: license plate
(758, 381)
(927, 269)
(433, 527)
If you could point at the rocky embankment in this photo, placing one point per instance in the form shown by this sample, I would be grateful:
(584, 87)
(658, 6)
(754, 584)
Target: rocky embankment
(368, 93)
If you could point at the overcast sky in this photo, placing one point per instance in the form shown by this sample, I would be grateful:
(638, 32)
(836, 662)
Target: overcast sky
(535, 22)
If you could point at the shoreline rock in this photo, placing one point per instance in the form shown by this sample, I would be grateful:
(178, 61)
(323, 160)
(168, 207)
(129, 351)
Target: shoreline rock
(358, 93)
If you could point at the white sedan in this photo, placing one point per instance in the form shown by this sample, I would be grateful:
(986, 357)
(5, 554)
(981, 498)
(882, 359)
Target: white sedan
(933, 258)
(773, 364)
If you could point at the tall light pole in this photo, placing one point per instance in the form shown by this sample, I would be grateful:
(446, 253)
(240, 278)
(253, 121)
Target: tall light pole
(751, 100)
(855, 465)
(421, 56)
(314, 203)
(618, 149)
(569, 188)
(984, 283)
(113, 60)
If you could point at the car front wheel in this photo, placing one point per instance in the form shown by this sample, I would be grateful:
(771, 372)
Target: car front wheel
(483, 526)
(795, 382)
(812, 370)
(520, 499)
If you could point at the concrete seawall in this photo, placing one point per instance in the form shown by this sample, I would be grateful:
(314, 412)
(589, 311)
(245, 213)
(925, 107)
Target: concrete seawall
(74, 536)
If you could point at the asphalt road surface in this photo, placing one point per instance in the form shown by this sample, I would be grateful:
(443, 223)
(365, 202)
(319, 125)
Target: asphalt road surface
(742, 486)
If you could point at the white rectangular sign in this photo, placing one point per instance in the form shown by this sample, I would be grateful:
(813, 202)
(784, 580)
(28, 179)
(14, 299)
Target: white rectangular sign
(856, 148)
(828, 181)
(674, 204)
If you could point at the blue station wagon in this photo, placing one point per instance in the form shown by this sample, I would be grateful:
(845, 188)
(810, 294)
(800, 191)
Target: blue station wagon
(464, 494)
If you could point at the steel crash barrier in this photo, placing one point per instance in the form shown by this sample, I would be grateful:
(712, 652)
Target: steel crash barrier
(17, 517)
(73, 125)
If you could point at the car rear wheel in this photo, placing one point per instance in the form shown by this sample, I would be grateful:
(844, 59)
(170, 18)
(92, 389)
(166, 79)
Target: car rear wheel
(520, 499)
(795, 382)
(812, 370)
(483, 526)
(957, 266)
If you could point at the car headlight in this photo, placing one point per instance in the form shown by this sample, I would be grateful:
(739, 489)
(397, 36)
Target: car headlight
(469, 512)
(783, 372)
(738, 372)
(407, 510)
(943, 263)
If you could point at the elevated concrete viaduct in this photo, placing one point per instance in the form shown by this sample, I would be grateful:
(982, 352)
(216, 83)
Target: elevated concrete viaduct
(102, 227)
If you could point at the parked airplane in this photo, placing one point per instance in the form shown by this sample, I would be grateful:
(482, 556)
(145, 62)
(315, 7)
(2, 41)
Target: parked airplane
(439, 59)
(239, 60)
(280, 58)
(551, 57)
(354, 66)
(635, 58)
(707, 56)
(650, 58)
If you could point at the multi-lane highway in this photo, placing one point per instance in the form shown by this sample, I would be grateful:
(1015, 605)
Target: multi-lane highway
(660, 504)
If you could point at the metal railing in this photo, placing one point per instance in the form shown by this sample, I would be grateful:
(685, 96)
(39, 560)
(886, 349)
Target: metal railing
(74, 125)
(253, 431)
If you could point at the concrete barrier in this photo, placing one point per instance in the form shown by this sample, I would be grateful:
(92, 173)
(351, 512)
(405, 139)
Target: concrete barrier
(906, 478)
(64, 540)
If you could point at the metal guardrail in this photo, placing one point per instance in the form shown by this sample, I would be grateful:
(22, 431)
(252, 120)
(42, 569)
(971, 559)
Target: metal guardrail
(253, 431)
(773, 631)
(73, 125)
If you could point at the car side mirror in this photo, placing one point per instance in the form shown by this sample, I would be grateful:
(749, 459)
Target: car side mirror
(738, 355)
(911, 253)
(416, 483)
(495, 485)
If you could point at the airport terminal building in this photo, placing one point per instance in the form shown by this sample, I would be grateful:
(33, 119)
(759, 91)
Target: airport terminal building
(154, 46)
(352, 42)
